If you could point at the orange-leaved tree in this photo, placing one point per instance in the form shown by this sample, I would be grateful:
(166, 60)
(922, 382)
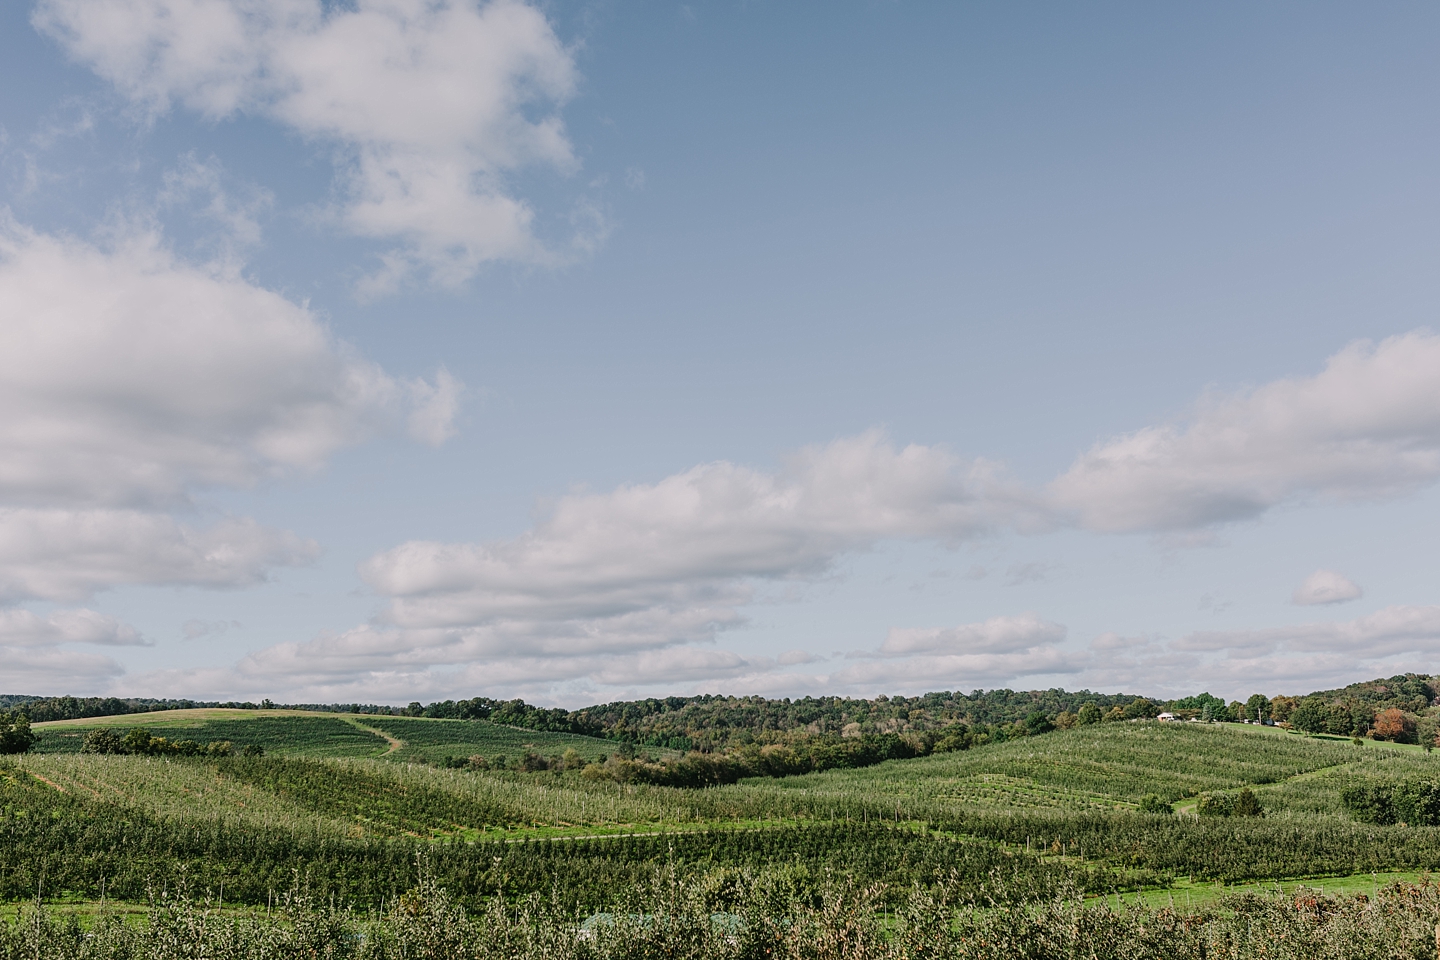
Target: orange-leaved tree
(1394, 724)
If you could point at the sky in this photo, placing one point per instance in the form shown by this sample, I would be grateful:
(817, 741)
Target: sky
(391, 350)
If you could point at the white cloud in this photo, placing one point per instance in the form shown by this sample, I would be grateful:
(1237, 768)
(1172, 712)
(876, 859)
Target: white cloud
(22, 628)
(955, 671)
(996, 635)
(201, 186)
(1326, 586)
(36, 657)
(129, 378)
(429, 103)
(388, 664)
(1292, 659)
(133, 382)
(436, 405)
(195, 628)
(632, 584)
(1390, 631)
(696, 539)
(67, 555)
(56, 670)
(1366, 427)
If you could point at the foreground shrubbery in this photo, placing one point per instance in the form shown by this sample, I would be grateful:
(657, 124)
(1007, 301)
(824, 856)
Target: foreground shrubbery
(1415, 801)
(139, 742)
(742, 915)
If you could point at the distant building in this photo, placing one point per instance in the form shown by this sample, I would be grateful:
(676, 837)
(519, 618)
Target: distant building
(1167, 718)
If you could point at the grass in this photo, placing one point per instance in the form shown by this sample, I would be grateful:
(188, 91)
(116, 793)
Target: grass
(1186, 896)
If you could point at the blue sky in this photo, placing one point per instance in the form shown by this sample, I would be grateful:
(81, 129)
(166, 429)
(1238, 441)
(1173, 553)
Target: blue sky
(406, 350)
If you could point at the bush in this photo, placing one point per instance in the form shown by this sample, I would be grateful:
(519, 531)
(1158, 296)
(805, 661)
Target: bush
(1151, 803)
(744, 915)
(1242, 804)
(1247, 804)
(139, 742)
(15, 733)
(1215, 805)
(103, 740)
(1415, 802)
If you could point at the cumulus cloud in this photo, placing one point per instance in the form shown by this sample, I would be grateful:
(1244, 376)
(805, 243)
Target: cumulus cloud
(638, 581)
(129, 377)
(36, 653)
(696, 539)
(68, 555)
(1392, 630)
(1291, 659)
(1366, 427)
(430, 104)
(22, 628)
(635, 584)
(57, 669)
(1325, 586)
(385, 662)
(201, 186)
(996, 635)
(132, 381)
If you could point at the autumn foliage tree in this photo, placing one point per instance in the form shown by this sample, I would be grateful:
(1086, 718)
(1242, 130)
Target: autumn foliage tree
(1395, 725)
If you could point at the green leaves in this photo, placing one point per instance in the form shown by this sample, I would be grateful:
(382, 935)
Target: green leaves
(15, 735)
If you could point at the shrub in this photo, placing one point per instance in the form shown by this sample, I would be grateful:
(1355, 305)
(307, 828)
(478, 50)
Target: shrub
(102, 740)
(1242, 804)
(1151, 803)
(1415, 802)
(1216, 805)
(15, 733)
(1247, 804)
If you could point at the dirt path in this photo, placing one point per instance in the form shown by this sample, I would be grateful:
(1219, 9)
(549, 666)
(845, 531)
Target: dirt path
(395, 742)
(47, 781)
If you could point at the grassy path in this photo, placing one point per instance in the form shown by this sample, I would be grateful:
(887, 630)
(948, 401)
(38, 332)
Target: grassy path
(396, 743)
(1186, 896)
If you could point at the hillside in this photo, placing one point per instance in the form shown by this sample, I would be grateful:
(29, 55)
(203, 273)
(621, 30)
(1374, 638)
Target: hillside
(712, 723)
(305, 734)
(1050, 813)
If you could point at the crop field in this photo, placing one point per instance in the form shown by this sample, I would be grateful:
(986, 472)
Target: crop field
(287, 732)
(1112, 765)
(436, 739)
(363, 808)
(293, 733)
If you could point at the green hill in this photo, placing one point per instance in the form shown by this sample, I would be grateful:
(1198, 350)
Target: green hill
(358, 805)
(305, 734)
